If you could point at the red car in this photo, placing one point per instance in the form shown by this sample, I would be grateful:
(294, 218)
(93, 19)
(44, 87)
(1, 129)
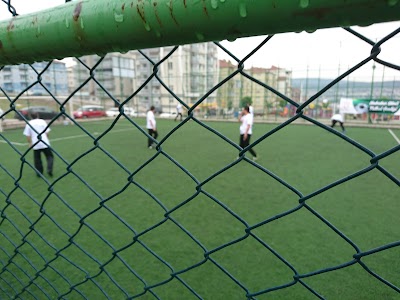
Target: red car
(89, 111)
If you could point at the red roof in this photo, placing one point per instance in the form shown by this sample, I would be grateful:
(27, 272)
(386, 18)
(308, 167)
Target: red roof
(226, 64)
(258, 70)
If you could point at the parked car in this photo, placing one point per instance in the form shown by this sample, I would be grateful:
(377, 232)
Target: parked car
(44, 112)
(114, 111)
(89, 111)
(168, 115)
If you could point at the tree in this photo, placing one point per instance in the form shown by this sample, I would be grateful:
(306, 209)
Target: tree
(246, 101)
(230, 104)
(268, 105)
(282, 103)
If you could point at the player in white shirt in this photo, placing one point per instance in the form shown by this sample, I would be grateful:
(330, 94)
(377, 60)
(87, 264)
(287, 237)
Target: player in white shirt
(151, 126)
(251, 110)
(178, 111)
(246, 130)
(338, 118)
(32, 130)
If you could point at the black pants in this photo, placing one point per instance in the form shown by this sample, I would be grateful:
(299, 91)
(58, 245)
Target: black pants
(154, 134)
(334, 123)
(179, 114)
(38, 160)
(245, 143)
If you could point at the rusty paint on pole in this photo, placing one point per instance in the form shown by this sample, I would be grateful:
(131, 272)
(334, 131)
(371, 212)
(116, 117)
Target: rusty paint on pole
(99, 26)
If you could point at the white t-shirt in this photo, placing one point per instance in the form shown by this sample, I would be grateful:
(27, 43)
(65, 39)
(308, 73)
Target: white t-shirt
(39, 125)
(337, 117)
(251, 110)
(246, 120)
(179, 108)
(151, 120)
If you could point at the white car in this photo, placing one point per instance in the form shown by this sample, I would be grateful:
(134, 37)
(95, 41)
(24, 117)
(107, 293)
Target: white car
(114, 111)
(168, 115)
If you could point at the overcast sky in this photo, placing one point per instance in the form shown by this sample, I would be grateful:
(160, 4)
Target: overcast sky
(324, 53)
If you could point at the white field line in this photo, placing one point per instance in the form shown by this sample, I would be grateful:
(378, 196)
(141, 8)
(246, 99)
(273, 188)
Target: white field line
(394, 136)
(68, 137)
(14, 143)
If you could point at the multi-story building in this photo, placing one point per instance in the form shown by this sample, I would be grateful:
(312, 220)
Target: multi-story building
(260, 95)
(188, 74)
(15, 79)
(239, 87)
(99, 79)
(283, 78)
(229, 92)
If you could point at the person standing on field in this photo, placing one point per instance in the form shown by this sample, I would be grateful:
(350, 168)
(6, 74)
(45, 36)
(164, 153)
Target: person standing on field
(179, 111)
(32, 130)
(151, 126)
(246, 130)
(338, 118)
(251, 109)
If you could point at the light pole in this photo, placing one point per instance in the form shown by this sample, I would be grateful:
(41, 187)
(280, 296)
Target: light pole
(26, 82)
(394, 82)
(383, 79)
(372, 91)
(121, 86)
(55, 78)
(336, 92)
(319, 85)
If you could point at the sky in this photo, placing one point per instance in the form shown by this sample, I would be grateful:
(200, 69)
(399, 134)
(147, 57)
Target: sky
(324, 53)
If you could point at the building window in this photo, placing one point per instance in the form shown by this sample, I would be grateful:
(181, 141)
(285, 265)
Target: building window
(170, 66)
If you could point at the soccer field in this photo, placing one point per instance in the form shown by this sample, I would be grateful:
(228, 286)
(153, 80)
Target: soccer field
(119, 220)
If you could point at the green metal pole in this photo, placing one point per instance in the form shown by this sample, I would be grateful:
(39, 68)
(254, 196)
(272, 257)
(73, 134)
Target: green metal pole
(85, 27)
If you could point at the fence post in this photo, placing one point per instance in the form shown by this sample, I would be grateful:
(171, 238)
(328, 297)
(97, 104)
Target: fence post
(74, 29)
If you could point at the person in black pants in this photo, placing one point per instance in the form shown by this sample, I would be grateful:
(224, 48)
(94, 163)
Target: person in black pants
(32, 130)
(178, 111)
(151, 127)
(246, 130)
(338, 118)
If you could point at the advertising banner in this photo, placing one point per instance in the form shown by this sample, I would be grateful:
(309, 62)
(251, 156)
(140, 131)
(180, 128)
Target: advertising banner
(377, 106)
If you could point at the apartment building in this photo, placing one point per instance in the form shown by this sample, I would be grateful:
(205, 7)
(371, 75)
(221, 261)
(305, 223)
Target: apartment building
(102, 79)
(188, 73)
(42, 78)
(239, 87)
(260, 95)
(229, 94)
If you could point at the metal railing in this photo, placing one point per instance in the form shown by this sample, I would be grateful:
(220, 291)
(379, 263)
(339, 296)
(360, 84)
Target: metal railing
(45, 254)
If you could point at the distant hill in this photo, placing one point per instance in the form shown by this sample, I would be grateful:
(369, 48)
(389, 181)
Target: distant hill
(313, 83)
(353, 89)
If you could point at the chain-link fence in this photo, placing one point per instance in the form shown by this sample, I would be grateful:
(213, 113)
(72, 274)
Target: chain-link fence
(313, 215)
